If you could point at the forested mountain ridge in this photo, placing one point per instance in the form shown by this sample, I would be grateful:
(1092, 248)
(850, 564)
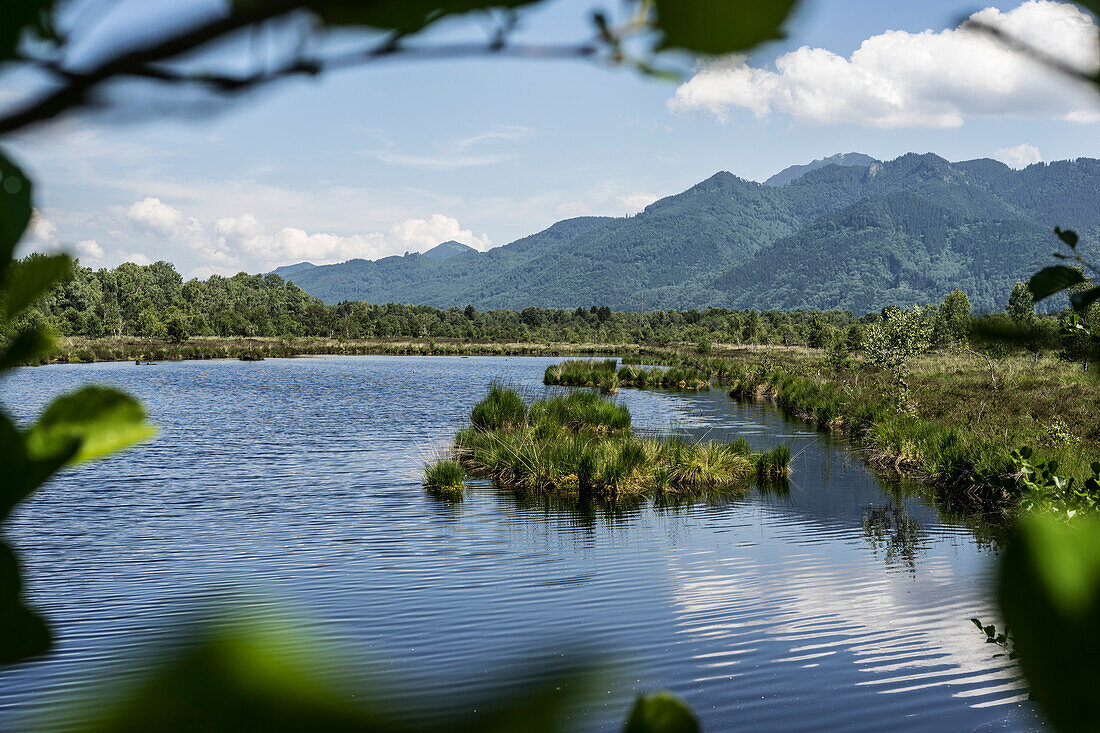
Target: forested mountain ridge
(790, 173)
(836, 236)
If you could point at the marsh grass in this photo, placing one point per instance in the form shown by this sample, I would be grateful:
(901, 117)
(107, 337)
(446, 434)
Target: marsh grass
(75, 349)
(603, 376)
(581, 443)
(962, 421)
(445, 476)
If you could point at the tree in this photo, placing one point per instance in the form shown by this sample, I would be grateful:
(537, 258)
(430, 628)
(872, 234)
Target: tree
(1021, 306)
(177, 330)
(955, 312)
(893, 342)
(820, 334)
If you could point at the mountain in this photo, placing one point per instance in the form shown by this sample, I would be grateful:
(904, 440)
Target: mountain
(837, 236)
(797, 171)
(450, 248)
(287, 270)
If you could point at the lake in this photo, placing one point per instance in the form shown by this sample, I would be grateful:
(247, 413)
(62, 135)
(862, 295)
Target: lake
(841, 603)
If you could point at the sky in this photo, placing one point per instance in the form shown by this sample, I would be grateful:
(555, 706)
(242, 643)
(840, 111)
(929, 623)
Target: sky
(399, 156)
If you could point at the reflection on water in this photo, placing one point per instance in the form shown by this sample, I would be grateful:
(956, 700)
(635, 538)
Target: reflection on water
(782, 608)
(892, 531)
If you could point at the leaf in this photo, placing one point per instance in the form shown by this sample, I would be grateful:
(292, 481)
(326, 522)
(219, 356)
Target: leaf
(23, 634)
(32, 278)
(236, 670)
(21, 475)
(715, 28)
(661, 712)
(1068, 236)
(104, 420)
(15, 198)
(1050, 280)
(1049, 590)
(1081, 301)
(26, 348)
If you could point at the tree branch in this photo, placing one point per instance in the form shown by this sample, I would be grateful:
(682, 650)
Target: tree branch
(149, 62)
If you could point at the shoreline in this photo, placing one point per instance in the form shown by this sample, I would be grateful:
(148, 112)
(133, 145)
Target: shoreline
(88, 351)
(974, 475)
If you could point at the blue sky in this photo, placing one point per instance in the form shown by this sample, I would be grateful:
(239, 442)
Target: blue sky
(400, 156)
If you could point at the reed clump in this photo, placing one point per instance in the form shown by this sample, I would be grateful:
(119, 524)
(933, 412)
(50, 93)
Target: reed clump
(603, 375)
(445, 476)
(582, 444)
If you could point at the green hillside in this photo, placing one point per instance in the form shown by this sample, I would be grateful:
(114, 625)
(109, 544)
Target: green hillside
(836, 236)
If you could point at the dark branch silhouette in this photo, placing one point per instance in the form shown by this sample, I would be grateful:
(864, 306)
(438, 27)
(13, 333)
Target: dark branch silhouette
(151, 61)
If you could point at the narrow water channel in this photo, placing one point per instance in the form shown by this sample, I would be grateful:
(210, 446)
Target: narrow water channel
(843, 602)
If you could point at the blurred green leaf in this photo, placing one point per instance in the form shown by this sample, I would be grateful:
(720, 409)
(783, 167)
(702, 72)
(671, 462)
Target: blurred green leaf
(719, 27)
(234, 670)
(21, 474)
(27, 347)
(1051, 280)
(32, 279)
(104, 420)
(15, 199)
(1050, 598)
(661, 712)
(23, 633)
(237, 673)
(1081, 301)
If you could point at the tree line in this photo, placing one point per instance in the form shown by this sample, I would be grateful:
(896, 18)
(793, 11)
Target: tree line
(155, 302)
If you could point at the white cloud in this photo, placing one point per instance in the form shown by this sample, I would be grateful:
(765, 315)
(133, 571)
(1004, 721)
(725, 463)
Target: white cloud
(89, 251)
(41, 234)
(453, 154)
(573, 208)
(499, 132)
(442, 162)
(160, 219)
(136, 257)
(636, 201)
(927, 79)
(421, 234)
(246, 238)
(1019, 156)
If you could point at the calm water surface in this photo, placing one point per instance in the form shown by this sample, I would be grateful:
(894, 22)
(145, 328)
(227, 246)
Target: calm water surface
(841, 604)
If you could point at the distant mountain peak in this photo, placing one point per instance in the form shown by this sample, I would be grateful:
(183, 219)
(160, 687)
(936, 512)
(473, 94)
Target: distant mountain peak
(797, 171)
(448, 249)
(297, 267)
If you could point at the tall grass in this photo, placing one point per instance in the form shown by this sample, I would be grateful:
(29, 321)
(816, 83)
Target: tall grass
(445, 476)
(602, 374)
(582, 443)
(502, 409)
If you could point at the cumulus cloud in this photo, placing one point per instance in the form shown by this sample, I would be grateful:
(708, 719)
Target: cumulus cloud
(41, 234)
(230, 244)
(158, 219)
(1019, 156)
(135, 257)
(89, 251)
(927, 79)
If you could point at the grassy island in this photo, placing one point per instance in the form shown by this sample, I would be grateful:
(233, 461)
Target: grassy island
(582, 444)
(603, 375)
